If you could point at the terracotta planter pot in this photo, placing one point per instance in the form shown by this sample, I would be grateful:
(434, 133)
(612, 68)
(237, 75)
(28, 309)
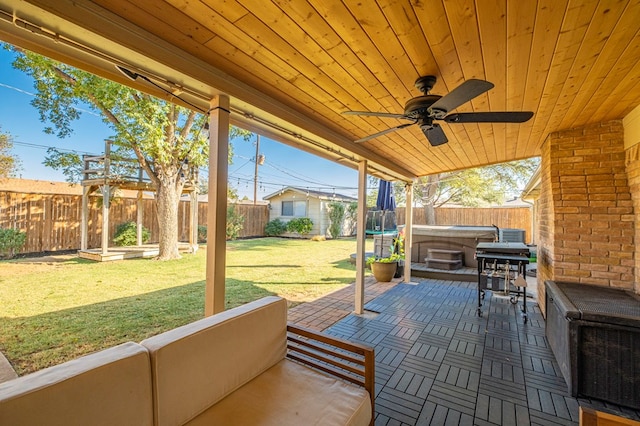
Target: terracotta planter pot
(384, 272)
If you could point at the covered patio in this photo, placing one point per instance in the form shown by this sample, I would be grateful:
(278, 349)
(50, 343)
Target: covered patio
(438, 363)
(290, 70)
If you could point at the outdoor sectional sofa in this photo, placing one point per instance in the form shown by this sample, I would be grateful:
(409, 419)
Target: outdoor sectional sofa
(244, 366)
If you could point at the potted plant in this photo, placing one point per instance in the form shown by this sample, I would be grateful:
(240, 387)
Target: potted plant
(384, 268)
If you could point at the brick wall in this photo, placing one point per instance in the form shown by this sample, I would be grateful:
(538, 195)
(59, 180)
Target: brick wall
(587, 225)
(545, 226)
(633, 175)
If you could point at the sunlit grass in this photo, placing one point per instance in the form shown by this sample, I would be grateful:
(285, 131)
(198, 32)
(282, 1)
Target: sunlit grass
(53, 312)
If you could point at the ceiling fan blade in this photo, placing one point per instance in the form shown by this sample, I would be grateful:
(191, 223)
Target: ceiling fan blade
(489, 117)
(461, 94)
(384, 132)
(375, 114)
(435, 135)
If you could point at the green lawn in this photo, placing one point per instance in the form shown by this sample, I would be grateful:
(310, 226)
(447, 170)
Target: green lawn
(51, 312)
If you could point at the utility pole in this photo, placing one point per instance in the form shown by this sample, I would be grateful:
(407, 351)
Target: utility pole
(255, 176)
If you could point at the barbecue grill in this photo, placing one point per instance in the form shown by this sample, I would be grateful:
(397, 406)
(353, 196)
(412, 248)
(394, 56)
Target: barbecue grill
(503, 263)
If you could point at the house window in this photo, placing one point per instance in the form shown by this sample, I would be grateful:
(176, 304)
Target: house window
(294, 208)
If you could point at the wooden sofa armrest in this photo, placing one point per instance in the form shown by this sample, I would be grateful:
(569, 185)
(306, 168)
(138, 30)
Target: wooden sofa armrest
(349, 361)
(591, 417)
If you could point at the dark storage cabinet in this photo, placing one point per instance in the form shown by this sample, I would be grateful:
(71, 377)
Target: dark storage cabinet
(594, 333)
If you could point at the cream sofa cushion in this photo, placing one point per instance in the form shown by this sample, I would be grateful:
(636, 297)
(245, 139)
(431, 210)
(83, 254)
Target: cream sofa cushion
(195, 366)
(110, 387)
(291, 394)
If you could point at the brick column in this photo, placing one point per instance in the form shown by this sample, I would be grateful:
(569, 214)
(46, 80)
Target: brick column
(587, 225)
(633, 175)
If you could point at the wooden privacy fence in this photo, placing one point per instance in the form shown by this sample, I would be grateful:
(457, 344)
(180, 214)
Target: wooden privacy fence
(52, 221)
(502, 217)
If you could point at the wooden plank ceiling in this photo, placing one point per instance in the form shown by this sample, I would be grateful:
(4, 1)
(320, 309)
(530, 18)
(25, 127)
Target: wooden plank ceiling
(299, 64)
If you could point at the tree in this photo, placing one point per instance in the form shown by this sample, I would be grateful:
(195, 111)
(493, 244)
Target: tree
(161, 136)
(9, 163)
(470, 187)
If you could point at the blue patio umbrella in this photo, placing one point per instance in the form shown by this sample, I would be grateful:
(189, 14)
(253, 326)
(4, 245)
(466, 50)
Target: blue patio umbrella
(386, 201)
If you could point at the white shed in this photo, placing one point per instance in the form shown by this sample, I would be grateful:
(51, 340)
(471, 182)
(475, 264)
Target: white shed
(292, 202)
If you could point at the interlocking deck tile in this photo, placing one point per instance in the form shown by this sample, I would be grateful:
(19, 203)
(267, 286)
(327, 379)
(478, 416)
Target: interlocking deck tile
(438, 363)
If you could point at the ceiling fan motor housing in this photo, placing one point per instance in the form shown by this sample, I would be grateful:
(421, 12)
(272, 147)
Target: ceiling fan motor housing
(418, 107)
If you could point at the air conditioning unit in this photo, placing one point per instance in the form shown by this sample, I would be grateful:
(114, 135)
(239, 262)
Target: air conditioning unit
(511, 235)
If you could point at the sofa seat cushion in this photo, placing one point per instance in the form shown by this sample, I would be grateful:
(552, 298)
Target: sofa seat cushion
(290, 393)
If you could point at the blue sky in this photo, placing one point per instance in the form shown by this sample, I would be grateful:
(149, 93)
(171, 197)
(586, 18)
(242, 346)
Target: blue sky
(283, 165)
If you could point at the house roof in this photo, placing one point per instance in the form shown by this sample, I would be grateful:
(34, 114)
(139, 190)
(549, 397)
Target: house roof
(34, 186)
(290, 69)
(329, 196)
(29, 186)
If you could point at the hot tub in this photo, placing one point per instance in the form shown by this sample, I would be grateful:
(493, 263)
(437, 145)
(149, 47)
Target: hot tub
(454, 237)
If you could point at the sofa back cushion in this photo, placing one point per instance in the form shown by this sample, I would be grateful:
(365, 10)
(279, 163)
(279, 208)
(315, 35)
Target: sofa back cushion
(196, 365)
(110, 387)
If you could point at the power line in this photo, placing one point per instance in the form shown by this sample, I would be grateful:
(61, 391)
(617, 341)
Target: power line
(33, 95)
(38, 146)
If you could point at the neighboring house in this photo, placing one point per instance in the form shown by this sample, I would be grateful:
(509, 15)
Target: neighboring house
(291, 202)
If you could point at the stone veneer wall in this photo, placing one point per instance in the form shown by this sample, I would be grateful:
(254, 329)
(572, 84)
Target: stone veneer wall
(585, 210)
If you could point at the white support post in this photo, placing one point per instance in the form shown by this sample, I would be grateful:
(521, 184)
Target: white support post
(408, 230)
(139, 218)
(217, 211)
(361, 236)
(106, 201)
(193, 223)
(84, 219)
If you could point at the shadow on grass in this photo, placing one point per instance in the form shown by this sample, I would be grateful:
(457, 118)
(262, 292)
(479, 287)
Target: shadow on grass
(35, 342)
(344, 264)
(261, 266)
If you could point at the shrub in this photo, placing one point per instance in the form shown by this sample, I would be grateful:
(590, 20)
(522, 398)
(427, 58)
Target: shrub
(11, 240)
(126, 234)
(202, 234)
(301, 225)
(336, 218)
(275, 227)
(235, 221)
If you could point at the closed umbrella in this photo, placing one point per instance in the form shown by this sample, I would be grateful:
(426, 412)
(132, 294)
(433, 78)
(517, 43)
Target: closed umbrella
(385, 202)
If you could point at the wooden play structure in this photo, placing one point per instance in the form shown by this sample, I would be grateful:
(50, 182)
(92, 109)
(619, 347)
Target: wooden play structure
(104, 175)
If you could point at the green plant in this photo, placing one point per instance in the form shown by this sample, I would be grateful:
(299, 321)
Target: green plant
(336, 217)
(393, 257)
(397, 252)
(127, 234)
(202, 234)
(235, 221)
(352, 216)
(301, 225)
(11, 240)
(274, 228)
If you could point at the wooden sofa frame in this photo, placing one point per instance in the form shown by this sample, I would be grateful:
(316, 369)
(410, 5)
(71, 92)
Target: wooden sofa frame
(346, 360)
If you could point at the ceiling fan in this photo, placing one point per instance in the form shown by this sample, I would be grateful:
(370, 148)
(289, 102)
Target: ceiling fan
(424, 110)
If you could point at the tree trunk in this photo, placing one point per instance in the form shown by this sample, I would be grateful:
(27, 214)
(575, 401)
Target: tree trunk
(167, 201)
(429, 195)
(430, 214)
